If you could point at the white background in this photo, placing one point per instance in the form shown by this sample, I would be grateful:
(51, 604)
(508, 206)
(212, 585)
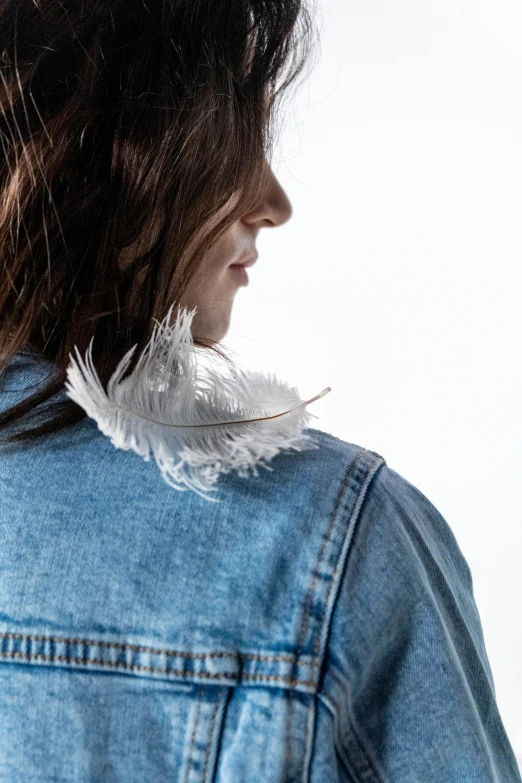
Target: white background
(396, 282)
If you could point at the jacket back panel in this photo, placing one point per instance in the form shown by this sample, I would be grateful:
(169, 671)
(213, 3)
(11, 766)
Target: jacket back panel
(149, 634)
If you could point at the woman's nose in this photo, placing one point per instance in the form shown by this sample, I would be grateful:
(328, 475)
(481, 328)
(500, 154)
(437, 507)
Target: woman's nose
(274, 210)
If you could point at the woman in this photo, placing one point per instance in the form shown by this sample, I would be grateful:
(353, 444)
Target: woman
(317, 623)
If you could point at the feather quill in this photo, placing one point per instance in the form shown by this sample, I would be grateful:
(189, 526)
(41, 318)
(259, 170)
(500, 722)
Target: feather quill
(198, 426)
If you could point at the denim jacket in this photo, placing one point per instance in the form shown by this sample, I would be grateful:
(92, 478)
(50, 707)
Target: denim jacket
(317, 625)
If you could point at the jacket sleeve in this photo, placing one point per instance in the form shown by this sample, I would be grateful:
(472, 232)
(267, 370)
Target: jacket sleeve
(407, 676)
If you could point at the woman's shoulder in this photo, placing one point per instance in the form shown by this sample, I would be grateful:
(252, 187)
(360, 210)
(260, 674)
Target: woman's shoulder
(406, 659)
(402, 575)
(395, 510)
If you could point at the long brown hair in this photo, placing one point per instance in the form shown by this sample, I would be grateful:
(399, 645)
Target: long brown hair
(116, 115)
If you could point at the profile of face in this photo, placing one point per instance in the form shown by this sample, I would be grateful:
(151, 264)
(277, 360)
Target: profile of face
(214, 287)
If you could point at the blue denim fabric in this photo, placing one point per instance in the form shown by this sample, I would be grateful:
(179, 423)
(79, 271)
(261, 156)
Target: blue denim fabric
(316, 625)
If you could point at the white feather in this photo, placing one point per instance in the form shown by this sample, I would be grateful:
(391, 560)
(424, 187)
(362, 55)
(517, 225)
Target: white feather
(197, 427)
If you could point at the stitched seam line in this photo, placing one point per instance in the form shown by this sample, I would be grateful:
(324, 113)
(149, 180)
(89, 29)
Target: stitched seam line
(210, 738)
(157, 651)
(367, 764)
(292, 681)
(189, 760)
(334, 573)
(288, 738)
(333, 518)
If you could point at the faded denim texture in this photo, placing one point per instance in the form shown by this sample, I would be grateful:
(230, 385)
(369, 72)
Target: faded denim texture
(317, 625)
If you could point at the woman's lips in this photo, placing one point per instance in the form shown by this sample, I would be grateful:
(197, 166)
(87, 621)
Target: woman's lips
(249, 259)
(239, 269)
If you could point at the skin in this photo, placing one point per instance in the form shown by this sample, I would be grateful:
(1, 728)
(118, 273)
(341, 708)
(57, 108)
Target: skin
(213, 290)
